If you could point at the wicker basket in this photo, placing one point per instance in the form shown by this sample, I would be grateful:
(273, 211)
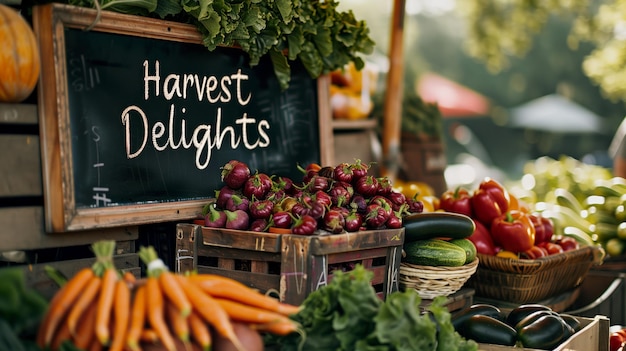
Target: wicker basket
(527, 281)
(432, 281)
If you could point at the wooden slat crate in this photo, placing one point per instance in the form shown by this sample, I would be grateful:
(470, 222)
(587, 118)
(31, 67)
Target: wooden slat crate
(290, 265)
(594, 336)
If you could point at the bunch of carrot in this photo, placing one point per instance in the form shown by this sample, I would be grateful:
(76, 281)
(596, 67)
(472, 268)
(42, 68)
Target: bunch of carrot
(100, 308)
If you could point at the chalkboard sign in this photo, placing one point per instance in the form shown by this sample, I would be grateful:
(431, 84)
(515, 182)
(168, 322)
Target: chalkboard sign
(138, 117)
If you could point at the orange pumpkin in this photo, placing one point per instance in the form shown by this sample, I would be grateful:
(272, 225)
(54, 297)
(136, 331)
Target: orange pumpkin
(19, 56)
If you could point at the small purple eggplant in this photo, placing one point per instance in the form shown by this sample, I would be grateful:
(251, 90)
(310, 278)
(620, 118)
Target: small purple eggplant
(237, 202)
(215, 218)
(238, 219)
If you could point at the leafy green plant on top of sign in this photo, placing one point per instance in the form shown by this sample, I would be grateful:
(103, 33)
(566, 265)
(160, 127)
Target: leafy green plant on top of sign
(314, 32)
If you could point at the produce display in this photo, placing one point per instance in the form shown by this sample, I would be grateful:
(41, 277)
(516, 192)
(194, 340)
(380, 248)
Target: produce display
(351, 92)
(506, 226)
(533, 326)
(327, 200)
(99, 307)
(584, 201)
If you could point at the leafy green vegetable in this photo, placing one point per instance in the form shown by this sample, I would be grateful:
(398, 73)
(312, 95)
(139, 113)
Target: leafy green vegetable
(20, 318)
(400, 324)
(311, 31)
(348, 315)
(448, 339)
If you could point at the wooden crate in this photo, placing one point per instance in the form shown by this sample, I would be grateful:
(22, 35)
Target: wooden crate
(594, 336)
(292, 266)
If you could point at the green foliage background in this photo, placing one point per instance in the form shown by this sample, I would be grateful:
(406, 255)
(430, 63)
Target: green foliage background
(514, 51)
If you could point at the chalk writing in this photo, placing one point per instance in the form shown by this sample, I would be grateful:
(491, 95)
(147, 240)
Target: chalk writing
(81, 76)
(99, 192)
(323, 278)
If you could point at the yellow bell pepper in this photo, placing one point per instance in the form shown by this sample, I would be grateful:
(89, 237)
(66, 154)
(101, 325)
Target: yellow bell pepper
(507, 254)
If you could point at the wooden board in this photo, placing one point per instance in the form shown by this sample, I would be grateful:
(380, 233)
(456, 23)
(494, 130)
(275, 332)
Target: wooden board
(137, 117)
(23, 229)
(21, 194)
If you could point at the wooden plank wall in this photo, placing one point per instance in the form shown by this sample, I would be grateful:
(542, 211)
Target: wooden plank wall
(23, 240)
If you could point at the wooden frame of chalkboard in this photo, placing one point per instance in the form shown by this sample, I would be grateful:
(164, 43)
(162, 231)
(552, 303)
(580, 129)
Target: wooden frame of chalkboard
(137, 117)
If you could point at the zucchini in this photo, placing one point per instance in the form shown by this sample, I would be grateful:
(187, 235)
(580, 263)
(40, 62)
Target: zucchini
(468, 246)
(434, 252)
(429, 225)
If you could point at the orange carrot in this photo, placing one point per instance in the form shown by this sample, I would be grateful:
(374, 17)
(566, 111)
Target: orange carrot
(60, 305)
(149, 335)
(105, 304)
(88, 297)
(249, 314)
(95, 345)
(121, 312)
(218, 286)
(155, 308)
(137, 318)
(210, 311)
(282, 328)
(177, 321)
(173, 291)
(129, 277)
(200, 331)
(85, 332)
(62, 334)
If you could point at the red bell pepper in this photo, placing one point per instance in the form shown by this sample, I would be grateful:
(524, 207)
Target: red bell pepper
(544, 228)
(497, 191)
(513, 231)
(552, 248)
(485, 207)
(534, 253)
(458, 200)
(567, 243)
(482, 240)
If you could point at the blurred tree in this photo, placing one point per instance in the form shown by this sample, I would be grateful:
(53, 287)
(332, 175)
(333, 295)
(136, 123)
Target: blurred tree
(499, 30)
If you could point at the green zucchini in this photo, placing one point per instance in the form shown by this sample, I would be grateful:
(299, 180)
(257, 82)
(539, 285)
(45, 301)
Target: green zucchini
(468, 246)
(434, 252)
(429, 225)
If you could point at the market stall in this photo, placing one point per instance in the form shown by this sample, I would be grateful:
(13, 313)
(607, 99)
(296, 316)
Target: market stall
(136, 121)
